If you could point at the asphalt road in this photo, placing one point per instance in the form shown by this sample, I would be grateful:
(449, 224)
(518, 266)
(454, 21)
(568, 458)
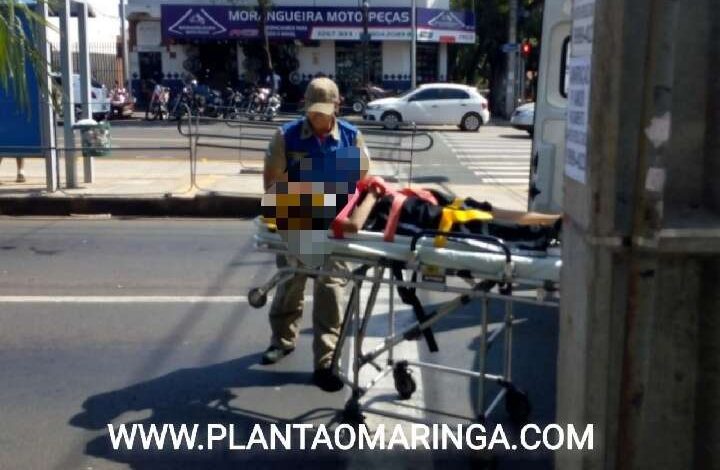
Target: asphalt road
(145, 321)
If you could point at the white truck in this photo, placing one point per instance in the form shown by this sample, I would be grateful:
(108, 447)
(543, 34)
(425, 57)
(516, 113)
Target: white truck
(548, 149)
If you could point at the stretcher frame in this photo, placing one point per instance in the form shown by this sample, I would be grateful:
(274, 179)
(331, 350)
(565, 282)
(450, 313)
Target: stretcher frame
(356, 320)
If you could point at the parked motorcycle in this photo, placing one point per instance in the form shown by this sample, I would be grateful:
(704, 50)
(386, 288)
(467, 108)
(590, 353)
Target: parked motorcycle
(214, 104)
(188, 99)
(121, 105)
(258, 101)
(158, 106)
(273, 107)
(233, 104)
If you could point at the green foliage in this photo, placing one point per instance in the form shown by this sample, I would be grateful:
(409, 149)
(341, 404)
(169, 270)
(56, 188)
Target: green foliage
(482, 62)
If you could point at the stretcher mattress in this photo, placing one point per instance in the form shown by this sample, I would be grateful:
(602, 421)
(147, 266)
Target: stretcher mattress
(481, 259)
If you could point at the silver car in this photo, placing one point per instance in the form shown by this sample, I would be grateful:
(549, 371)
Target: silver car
(523, 118)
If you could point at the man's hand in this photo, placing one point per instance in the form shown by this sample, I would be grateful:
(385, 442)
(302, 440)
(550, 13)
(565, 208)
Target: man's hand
(275, 163)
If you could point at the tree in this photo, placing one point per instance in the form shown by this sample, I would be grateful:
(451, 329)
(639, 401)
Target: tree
(484, 62)
(18, 48)
(264, 7)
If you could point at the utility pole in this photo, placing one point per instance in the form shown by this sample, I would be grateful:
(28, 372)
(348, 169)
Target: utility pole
(366, 44)
(511, 59)
(126, 59)
(85, 99)
(638, 330)
(413, 45)
(47, 114)
(68, 98)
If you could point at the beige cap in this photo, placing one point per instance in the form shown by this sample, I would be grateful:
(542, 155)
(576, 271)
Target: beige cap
(321, 96)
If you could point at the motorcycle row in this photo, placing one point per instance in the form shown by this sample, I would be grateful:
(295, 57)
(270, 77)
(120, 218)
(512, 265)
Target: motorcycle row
(255, 102)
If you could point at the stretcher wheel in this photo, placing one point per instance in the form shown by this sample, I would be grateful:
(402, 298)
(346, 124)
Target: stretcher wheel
(404, 382)
(517, 405)
(257, 298)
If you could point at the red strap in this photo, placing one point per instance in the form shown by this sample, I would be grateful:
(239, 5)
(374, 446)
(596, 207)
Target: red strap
(342, 217)
(423, 194)
(394, 216)
(360, 188)
(376, 182)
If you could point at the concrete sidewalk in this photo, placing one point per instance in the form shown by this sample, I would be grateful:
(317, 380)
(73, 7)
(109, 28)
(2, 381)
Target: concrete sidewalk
(164, 187)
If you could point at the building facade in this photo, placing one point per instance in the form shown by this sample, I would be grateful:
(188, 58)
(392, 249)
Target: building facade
(218, 43)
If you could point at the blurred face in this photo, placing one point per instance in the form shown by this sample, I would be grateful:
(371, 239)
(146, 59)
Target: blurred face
(321, 123)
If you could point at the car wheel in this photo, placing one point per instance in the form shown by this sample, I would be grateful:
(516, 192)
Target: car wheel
(391, 120)
(358, 106)
(471, 122)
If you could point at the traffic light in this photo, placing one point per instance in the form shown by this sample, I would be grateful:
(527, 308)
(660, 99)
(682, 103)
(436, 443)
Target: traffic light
(525, 49)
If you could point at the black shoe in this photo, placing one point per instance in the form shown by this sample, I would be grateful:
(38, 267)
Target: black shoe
(273, 354)
(327, 380)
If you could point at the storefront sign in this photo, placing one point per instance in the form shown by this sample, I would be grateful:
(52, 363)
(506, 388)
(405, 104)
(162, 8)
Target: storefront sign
(315, 23)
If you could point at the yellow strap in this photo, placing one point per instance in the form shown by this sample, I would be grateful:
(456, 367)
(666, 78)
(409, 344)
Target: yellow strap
(456, 204)
(452, 216)
(270, 223)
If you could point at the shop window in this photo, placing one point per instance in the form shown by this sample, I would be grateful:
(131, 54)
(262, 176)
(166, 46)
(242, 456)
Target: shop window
(150, 66)
(349, 68)
(427, 63)
(452, 94)
(429, 94)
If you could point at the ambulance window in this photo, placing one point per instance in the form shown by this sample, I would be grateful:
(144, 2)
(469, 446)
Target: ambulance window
(564, 69)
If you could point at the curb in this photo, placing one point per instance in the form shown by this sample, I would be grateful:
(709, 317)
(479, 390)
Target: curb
(202, 205)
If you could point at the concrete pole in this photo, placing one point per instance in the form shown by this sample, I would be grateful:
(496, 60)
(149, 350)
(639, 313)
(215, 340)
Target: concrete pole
(84, 61)
(511, 59)
(126, 59)
(413, 46)
(638, 352)
(85, 81)
(366, 44)
(68, 98)
(47, 115)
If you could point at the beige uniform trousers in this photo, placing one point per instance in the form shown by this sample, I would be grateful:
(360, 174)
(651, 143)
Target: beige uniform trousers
(287, 308)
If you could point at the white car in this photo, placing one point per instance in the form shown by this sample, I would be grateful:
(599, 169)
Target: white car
(99, 96)
(436, 103)
(523, 118)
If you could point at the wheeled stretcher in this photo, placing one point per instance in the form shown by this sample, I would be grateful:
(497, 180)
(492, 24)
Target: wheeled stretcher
(469, 265)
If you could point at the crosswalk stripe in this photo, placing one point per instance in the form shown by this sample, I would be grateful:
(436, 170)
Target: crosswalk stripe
(501, 180)
(471, 158)
(491, 149)
(502, 171)
(492, 158)
(497, 165)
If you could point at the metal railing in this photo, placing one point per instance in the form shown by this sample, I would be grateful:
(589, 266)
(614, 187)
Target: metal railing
(206, 156)
(248, 137)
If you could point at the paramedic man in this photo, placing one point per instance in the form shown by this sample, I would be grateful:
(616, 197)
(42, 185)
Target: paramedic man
(319, 130)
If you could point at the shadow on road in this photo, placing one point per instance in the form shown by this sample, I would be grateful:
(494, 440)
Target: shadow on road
(204, 396)
(516, 136)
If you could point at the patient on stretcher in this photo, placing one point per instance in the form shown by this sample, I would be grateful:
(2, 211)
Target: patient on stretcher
(380, 208)
(377, 206)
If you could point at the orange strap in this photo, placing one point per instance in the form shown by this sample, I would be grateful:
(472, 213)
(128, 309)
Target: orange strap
(398, 200)
(379, 184)
(361, 187)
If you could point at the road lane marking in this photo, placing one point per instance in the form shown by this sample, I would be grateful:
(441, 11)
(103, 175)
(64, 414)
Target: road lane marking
(121, 299)
(130, 299)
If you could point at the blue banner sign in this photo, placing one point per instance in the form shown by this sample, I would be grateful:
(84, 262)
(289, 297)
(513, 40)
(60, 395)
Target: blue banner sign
(315, 23)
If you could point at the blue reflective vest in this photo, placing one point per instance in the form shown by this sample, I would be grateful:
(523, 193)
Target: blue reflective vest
(332, 161)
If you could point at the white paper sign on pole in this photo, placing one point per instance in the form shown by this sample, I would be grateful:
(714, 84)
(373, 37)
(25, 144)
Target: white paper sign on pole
(576, 130)
(578, 98)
